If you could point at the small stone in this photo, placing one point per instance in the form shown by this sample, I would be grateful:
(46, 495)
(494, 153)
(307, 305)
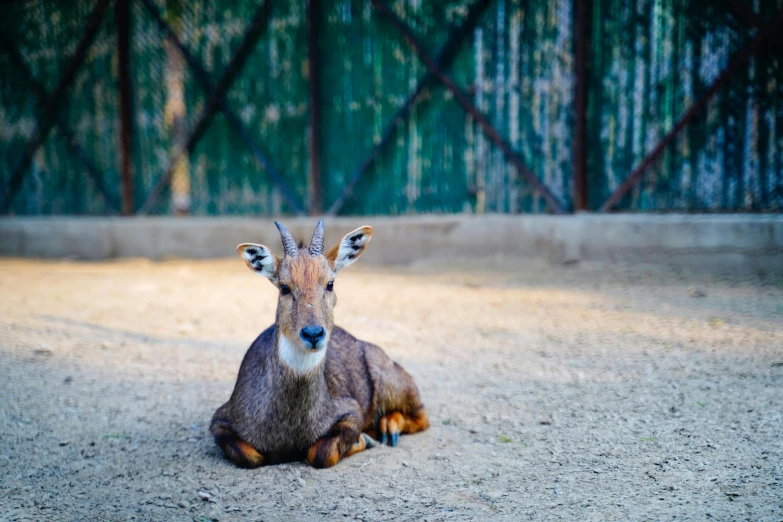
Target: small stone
(44, 350)
(105, 346)
(204, 495)
(183, 504)
(301, 481)
(492, 496)
(64, 442)
(697, 292)
(68, 380)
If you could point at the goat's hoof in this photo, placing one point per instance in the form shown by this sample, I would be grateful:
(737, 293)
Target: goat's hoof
(390, 427)
(369, 441)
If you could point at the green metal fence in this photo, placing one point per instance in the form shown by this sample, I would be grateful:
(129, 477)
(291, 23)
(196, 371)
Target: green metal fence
(289, 124)
(652, 60)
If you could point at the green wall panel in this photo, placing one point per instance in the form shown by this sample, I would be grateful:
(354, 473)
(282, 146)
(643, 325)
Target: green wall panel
(649, 60)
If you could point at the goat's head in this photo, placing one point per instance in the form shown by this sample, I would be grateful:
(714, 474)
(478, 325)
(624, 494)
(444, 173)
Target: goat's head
(305, 277)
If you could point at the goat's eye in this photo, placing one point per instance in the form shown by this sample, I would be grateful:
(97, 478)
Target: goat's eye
(285, 289)
(330, 286)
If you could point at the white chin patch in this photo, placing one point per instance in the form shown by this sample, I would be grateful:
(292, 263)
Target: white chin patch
(300, 360)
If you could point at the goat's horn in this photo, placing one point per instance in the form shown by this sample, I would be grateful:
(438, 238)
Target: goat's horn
(317, 243)
(289, 245)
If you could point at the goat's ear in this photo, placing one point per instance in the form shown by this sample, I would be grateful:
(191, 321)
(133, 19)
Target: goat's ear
(260, 260)
(350, 248)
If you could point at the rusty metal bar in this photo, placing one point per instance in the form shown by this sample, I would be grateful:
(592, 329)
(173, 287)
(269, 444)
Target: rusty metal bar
(219, 100)
(70, 138)
(444, 59)
(52, 105)
(125, 89)
(216, 93)
(739, 60)
(582, 10)
(463, 100)
(315, 187)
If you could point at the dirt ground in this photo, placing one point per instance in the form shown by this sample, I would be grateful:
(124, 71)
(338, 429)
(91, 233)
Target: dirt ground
(582, 392)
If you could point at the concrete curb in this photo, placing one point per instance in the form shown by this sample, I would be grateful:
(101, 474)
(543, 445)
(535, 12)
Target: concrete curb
(722, 242)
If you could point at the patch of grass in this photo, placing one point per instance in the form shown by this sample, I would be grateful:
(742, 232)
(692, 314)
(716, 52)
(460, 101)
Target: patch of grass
(503, 438)
(715, 322)
(648, 439)
(115, 436)
(702, 404)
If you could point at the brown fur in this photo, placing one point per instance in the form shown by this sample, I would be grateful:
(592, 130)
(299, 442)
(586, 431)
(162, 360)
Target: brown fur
(307, 277)
(396, 422)
(277, 413)
(357, 447)
(240, 452)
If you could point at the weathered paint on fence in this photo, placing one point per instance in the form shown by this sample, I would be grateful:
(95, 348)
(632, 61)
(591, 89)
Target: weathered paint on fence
(649, 59)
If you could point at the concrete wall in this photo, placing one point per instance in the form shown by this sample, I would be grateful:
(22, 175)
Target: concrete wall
(751, 243)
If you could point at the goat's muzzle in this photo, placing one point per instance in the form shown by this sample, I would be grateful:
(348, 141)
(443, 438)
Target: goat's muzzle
(313, 336)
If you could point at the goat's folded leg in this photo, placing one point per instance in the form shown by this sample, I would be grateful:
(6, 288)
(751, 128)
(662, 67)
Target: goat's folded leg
(364, 442)
(343, 439)
(235, 449)
(392, 424)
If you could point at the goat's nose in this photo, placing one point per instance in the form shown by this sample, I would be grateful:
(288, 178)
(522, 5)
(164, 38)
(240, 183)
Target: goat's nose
(312, 334)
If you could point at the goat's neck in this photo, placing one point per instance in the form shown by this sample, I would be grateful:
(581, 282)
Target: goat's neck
(301, 373)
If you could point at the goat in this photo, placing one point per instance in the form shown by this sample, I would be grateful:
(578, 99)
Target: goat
(307, 388)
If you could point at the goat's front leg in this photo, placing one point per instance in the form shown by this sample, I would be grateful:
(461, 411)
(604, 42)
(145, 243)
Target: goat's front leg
(343, 439)
(235, 449)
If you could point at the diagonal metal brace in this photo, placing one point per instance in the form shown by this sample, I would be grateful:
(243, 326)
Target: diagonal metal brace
(70, 138)
(739, 60)
(444, 60)
(46, 119)
(217, 100)
(462, 98)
